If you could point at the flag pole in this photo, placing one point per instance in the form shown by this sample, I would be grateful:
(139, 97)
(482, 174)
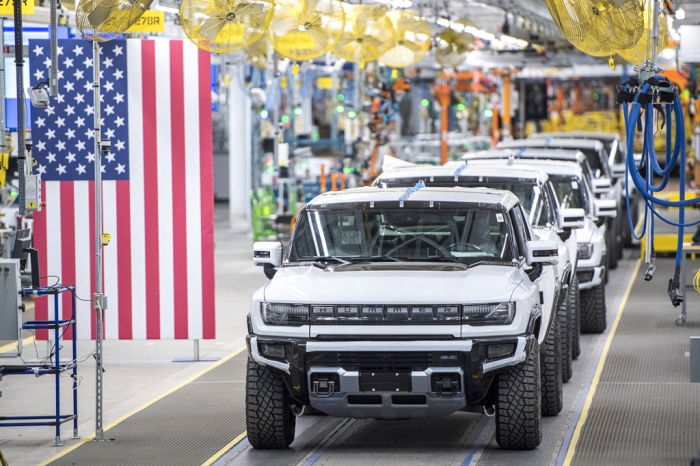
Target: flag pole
(98, 299)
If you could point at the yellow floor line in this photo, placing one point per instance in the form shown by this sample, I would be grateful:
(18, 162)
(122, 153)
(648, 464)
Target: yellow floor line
(13, 346)
(141, 408)
(223, 451)
(599, 369)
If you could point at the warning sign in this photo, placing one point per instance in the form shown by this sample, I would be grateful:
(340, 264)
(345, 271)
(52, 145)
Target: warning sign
(31, 205)
(7, 7)
(151, 21)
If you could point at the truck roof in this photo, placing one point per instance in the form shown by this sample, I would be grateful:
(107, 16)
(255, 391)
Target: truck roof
(459, 169)
(536, 153)
(564, 143)
(487, 196)
(601, 136)
(551, 167)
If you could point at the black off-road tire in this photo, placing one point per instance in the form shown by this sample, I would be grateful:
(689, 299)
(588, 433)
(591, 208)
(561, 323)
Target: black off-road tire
(593, 310)
(551, 367)
(519, 404)
(269, 418)
(575, 306)
(565, 339)
(611, 244)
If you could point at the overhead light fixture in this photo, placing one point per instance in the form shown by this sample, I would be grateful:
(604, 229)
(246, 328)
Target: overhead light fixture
(680, 13)
(167, 9)
(514, 41)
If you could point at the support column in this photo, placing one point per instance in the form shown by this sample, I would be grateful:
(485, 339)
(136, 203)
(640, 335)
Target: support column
(240, 163)
(507, 135)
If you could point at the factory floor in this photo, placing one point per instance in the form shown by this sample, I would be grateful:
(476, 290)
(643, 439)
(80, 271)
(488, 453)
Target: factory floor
(629, 401)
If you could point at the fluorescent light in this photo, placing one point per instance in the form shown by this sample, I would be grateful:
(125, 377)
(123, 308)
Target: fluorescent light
(514, 41)
(167, 9)
(444, 22)
(680, 13)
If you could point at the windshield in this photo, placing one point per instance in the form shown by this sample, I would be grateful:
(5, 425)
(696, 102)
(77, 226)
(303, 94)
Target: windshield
(466, 235)
(570, 193)
(536, 206)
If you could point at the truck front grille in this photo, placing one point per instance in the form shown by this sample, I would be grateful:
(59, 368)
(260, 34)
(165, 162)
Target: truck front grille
(386, 361)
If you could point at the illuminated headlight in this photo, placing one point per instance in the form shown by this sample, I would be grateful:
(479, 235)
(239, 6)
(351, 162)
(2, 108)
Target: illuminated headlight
(285, 314)
(488, 314)
(585, 250)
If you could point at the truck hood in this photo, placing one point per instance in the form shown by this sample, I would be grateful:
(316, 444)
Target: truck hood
(310, 284)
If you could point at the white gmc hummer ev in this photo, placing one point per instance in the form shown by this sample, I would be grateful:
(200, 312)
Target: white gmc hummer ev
(400, 303)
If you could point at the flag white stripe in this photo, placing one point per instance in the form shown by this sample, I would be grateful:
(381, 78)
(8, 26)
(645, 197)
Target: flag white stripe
(83, 258)
(192, 190)
(165, 190)
(111, 253)
(53, 244)
(136, 183)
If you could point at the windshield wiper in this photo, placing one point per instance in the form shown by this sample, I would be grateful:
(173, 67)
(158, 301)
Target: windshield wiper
(373, 259)
(330, 258)
(431, 259)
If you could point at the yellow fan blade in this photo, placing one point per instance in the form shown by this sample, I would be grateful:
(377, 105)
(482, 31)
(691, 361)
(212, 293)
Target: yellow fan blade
(223, 26)
(411, 41)
(102, 20)
(367, 35)
(453, 47)
(100, 14)
(306, 29)
(642, 49)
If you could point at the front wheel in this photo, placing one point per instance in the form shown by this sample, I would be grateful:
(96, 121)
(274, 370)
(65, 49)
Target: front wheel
(519, 404)
(593, 310)
(551, 370)
(565, 338)
(575, 306)
(268, 411)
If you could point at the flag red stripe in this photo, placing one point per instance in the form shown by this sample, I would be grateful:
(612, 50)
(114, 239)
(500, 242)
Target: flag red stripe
(150, 194)
(67, 247)
(206, 173)
(177, 122)
(124, 259)
(91, 195)
(41, 305)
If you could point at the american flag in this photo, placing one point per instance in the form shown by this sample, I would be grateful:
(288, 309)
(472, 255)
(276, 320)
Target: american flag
(157, 189)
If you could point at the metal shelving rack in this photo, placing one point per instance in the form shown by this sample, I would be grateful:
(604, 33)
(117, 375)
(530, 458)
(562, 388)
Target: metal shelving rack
(54, 368)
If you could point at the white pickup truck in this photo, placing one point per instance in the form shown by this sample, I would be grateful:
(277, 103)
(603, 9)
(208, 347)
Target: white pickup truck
(400, 303)
(550, 222)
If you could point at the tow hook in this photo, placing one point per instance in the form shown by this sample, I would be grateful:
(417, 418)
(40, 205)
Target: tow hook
(489, 410)
(446, 385)
(323, 386)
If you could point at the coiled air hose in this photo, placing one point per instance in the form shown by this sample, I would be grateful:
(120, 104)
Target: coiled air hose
(640, 101)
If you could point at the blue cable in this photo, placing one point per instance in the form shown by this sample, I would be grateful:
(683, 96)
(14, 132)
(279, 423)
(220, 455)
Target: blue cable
(645, 184)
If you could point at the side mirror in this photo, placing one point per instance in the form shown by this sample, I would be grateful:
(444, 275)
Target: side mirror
(617, 170)
(267, 252)
(601, 185)
(541, 252)
(605, 208)
(572, 218)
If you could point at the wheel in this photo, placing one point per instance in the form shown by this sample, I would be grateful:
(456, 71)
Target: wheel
(575, 306)
(519, 404)
(611, 244)
(607, 264)
(268, 413)
(593, 319)
(619, 244)
(551, 370)
(565, 337)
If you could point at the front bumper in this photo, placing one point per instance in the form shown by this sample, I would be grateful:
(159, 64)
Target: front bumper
(590, 277)
(422, 366)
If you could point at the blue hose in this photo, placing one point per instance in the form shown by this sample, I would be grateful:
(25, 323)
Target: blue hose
(675, 152)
